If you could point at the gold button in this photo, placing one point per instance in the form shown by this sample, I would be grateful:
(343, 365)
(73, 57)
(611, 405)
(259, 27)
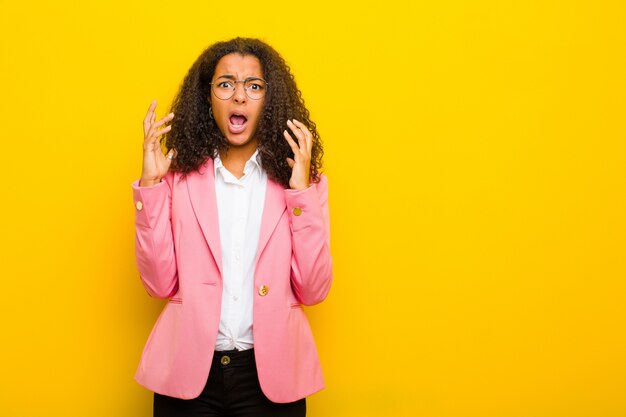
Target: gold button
(263, 290)
(297, 211)
(139, 205)
(225, 360)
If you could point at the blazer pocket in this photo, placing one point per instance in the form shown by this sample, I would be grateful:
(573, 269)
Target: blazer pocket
(295, 305)
(175, 300)
(210, 283)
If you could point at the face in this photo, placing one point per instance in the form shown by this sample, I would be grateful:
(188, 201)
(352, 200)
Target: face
(238, 117)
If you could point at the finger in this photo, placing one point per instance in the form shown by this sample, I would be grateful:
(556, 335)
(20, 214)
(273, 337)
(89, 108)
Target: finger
(156, 134)
(164, 120)
(297, 132)
(292, 143)
(163, 131)
(148, 118)
(155, 126)
(291, 162)
(307, 134)
(302, 127)
(152, 106)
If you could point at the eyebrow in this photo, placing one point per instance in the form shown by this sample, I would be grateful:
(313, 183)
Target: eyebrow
(232, 77)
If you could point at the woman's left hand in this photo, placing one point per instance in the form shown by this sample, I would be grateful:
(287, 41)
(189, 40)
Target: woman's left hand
(301, 162)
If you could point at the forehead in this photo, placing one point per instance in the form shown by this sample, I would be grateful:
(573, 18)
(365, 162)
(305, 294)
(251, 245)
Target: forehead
(241, 66)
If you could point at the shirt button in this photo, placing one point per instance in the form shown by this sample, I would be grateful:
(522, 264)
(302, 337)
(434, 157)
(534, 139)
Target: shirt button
(297, 211)
(139, 205)
(235, 298)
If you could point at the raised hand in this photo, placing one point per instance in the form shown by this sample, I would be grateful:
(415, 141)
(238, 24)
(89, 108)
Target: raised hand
(301, 162)
(155, 164)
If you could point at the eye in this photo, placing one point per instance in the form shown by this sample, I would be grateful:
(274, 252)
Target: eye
(225, 84)
(255, 86)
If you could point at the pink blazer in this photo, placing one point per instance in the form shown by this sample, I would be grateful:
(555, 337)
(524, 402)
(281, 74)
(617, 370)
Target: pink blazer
(178, 255)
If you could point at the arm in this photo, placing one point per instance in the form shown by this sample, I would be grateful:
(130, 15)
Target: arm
(154, 245)
(311, 263)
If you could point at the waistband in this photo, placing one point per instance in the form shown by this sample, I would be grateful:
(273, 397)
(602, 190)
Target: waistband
(234, 353)
(234, 358)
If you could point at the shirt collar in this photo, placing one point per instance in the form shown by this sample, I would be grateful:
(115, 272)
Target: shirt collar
(251, 164)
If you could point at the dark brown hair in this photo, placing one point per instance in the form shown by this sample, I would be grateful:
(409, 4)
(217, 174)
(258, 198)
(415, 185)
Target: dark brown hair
(195, 135)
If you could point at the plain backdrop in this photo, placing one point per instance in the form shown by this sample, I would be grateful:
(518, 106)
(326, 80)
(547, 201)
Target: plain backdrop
(476, 157)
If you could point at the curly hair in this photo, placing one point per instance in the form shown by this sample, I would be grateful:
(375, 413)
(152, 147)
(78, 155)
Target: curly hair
(196, 137)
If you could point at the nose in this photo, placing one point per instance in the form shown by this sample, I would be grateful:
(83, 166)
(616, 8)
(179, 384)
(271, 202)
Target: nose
(240, 92)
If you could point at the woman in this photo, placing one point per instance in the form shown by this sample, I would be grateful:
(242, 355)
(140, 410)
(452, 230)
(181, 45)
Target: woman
(232, 228)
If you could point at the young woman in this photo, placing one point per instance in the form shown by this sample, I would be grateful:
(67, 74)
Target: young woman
(232, 228)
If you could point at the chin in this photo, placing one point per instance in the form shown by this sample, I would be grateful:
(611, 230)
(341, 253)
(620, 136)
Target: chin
(238, 141)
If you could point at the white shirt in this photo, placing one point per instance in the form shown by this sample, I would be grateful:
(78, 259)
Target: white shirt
(240, 209)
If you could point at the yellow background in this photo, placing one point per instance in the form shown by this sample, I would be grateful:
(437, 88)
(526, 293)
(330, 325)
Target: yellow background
(476, 154)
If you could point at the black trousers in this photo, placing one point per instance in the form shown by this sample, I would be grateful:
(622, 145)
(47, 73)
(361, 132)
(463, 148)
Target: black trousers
(232, 389)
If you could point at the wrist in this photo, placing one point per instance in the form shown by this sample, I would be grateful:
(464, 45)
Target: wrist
(148, 182)
(300, 187)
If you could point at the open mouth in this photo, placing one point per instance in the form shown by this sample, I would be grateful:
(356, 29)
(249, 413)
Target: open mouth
(237, 122)
(238, 119)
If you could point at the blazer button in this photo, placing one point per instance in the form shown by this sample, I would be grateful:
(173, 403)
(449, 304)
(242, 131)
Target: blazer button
(139, 205)
(263, 290)
(297, 211)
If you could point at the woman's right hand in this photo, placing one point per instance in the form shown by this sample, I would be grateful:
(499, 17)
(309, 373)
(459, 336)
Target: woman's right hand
(155, 164)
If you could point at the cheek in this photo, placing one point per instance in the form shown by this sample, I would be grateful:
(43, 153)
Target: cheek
(257, 117)
(220, 117)
(259, 110)
(216, 107)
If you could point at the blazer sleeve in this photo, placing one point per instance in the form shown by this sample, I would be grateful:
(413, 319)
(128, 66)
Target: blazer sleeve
(154, 244)
(311, 263)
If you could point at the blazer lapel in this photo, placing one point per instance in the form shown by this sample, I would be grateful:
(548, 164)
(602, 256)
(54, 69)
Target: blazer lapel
(275, 205)
(201, 187)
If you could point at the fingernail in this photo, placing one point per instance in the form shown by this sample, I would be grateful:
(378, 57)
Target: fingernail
(288, 121)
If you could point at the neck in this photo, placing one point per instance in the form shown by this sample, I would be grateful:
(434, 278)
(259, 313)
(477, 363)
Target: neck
(235, 158)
